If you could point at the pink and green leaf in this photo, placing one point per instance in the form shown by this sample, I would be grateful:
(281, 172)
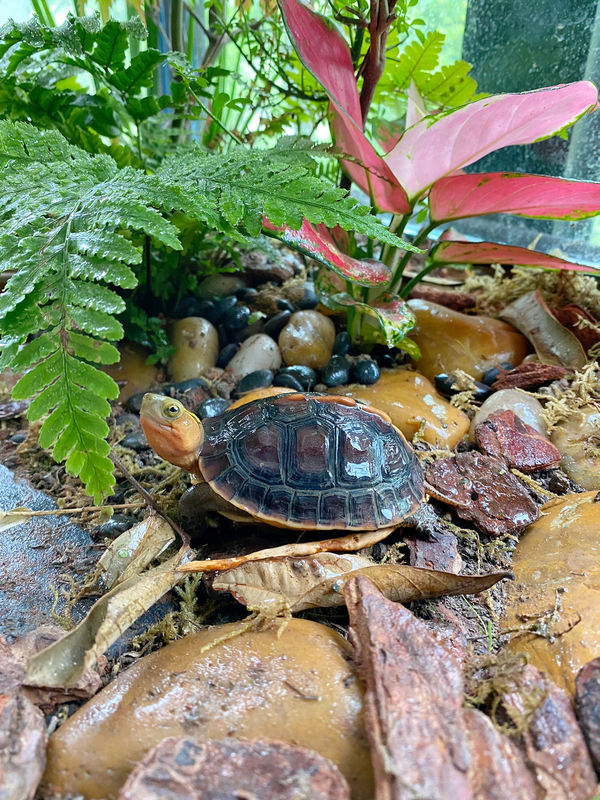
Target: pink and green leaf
(537, 196)
(442, 143)
(452, 252)
(393, 318)
(318, 244)
(324, 52)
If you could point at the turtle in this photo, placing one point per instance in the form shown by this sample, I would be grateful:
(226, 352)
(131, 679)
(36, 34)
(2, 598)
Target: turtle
(302, 460)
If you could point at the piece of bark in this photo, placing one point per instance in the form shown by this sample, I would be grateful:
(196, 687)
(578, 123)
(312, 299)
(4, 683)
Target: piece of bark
(497, 770)
(413, 701)
(260, 769)
(457, 301)
(528, 376)
(440, 551)
(553, 743)
(587, 705)
(22, 747)
(484, 491)
(570, 316)
(504, 435)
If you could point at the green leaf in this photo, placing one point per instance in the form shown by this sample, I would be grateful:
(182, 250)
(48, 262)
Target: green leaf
(94, 350)
(111, 46)
(41, 375)
(418, 58)
(139, 74)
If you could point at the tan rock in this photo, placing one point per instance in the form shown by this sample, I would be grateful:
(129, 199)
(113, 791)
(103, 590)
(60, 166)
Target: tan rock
(408, 397)
(132, 372)
(300, 688)
(197, 343)
(449, 340)
(307, 340)
(553, 610)
(578, 439)
(527, 408)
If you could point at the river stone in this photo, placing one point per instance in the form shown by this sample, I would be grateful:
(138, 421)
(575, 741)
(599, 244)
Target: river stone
(408, 398)
(197, 343)
(300, 688)
(260, 394)
(220, 285)
(577, 440)
(256, 353)
(449, 340)
(132, 372)
(307, 340)
(33, 555)
(528, 409)
(557, 589)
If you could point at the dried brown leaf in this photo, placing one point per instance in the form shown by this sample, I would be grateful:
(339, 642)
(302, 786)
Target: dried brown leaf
(135, 549)
(553, 343)
(292, 585)
(16, 516)
(350, 543)
(63, 663)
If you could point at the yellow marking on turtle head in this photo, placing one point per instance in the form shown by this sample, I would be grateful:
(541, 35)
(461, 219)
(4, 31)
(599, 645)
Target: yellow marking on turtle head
(173, 432)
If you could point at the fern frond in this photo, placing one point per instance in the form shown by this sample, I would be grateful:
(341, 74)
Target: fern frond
(418, 59)
(78, 209)
(450, 86)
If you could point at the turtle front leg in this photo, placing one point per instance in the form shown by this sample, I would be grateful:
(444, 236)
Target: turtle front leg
(200, 500)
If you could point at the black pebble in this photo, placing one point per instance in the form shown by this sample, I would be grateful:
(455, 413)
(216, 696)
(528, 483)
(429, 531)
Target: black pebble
(236, 318)
(305, 376)
(223, 306)
(492, 374)
(116, 525)
(135, 441)
(17, 438)
(309, 299)
(273, 325)
(185, 386)
(226, 354)
(255, 380)
(134, 403)
(444, 382)
(285, 305)
(212, 407)
(337, 372)
(386, 361)
(365, 372)
(127, 419)
(288, 381)
(247, 294)
(341, 344)
(223, 336)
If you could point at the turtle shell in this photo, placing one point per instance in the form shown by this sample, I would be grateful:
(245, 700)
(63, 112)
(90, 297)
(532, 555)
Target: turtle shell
(312, 462)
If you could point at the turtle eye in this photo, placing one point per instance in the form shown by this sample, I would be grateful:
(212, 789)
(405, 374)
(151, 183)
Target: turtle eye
(172, 409)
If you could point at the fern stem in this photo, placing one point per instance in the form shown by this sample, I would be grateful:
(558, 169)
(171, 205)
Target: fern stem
(177, 25)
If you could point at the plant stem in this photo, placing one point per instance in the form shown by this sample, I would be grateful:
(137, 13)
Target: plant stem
(42, 9)
(397, 279)
(397, 226)
(177, 25)
(417, 279)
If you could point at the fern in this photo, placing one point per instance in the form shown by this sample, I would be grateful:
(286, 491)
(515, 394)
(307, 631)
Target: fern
(72, 226)
(451, 86)
(418, 59)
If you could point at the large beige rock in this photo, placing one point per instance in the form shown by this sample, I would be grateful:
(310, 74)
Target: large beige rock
(449, 340)
(553, 611)
(300, 688)
(578, 439)
(197, 343)
(132, 372)
(408, 398)
(307, 340)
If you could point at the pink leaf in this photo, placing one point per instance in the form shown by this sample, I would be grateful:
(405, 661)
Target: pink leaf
(320, 246)
(442, 143)
(325, 54)
(368, 170)
(492, 253)
(416, 106)
(506, 193)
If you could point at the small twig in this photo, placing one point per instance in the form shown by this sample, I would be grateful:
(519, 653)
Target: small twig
(149, 499)
(58, 512)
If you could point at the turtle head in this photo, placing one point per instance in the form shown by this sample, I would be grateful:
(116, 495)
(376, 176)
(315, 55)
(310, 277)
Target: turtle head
(173, 432)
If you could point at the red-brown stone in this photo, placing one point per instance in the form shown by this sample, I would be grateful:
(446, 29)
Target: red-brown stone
(528, 376)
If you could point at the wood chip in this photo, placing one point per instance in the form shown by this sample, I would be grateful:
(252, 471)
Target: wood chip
(504, 435)
(587, 705)
(238, 769)
(22, 747)
(528, 376)
(413, 702)
(484, 491)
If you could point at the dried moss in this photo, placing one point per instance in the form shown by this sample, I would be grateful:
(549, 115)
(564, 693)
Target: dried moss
(583, 390)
